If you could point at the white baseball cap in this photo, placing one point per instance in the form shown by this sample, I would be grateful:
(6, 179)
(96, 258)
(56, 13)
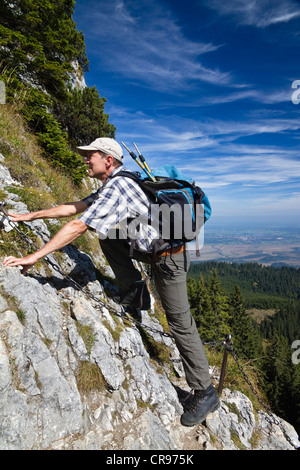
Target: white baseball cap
(105, 145)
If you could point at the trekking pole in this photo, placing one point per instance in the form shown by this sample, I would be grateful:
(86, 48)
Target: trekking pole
(227, 344)
(141, 164)
(144, 162)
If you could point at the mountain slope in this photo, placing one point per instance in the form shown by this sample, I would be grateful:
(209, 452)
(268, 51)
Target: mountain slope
(76, 375)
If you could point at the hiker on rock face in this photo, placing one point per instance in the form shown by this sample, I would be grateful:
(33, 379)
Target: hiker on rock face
(118, 199)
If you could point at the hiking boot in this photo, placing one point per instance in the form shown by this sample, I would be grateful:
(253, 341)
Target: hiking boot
(136, 297)
(201, 403)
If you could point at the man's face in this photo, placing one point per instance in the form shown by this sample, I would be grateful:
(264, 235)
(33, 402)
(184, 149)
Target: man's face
(96, 163)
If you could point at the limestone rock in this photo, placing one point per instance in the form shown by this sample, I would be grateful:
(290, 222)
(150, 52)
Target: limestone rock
(42, 353)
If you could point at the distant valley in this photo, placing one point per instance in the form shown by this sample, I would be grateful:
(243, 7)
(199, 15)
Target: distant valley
(270, 247)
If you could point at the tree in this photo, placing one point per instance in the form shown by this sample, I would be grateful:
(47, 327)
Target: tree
(41, 48)
(281, 378)
(209, 307)
(246, 339)
(201, 309)
(220, 307)
(39, 42)
(52, 138)
(82, 116)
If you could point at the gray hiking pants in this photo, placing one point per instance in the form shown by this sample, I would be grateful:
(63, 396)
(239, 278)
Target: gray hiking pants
(170, 274)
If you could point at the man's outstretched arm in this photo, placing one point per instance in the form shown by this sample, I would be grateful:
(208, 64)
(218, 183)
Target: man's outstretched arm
(64, 210)
(67, 234)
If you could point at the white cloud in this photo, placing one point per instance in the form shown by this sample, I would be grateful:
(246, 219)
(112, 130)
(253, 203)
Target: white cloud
(182, 134)
(259, 13)
(210, 151)
(257, 170)
(232, 130)
(265, 97)
(143, 41)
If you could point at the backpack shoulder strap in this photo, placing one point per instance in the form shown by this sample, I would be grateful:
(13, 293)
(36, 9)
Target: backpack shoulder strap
(135, 176)
(128, 174)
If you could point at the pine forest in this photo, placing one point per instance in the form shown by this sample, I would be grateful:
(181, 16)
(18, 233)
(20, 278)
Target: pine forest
(259, 307)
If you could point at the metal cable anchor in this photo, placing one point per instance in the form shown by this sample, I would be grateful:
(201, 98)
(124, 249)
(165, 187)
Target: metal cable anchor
(227, 346)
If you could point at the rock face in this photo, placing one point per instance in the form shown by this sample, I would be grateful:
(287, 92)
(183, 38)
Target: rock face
(75, 375)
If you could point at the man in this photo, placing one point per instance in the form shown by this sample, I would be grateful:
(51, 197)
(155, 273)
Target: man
(121, 198)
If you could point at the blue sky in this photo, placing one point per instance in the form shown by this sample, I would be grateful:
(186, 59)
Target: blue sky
(208, 86)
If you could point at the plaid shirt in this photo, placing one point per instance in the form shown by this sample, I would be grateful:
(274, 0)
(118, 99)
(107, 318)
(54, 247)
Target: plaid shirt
(116, 203)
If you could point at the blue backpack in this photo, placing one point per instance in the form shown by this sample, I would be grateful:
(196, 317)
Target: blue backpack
(189, 205)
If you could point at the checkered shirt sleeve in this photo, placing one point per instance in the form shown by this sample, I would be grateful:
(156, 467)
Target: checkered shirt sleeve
(119, 199)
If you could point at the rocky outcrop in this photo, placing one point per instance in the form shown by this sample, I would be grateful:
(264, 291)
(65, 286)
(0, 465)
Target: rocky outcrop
(42, 406)
(77, 375)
